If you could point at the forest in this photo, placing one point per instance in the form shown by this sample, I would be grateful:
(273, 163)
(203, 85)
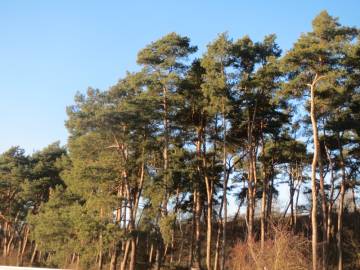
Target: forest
(180, 164)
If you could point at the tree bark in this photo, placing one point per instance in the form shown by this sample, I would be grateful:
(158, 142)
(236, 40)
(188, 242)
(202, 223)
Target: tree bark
(209, 195)
(126, 255)
(133, 254)
(197, 202)
(313, 174)
(5, 240)
(324, 213)
(33, 256)
(225, 176)
(151, 253)
(217, 248)
(341, 206)
(113, 259)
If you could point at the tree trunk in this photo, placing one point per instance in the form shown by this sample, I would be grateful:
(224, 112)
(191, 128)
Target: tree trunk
(9, 244)
(251, 195)
(113, 259)
(324, 213)
(341, 206)
(340, 226)
(158, 256)
(191, 251)
(197, 201)
(181, 244)
(126, 255)
(18, 254)
(263, 211)
(172, 246)
(313, 176)
(77, 262)
(151, 253)
(100, 260)
(209, 230)
(133, 254)
(217, 248)
(166, 146)
(297, 203)
(331, 197)
(270, 198)
(33, 256)
(5, 241)
(264, 193)
(225, 175)
(24, 243)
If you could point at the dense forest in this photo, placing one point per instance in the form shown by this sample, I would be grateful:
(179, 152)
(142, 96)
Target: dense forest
(152, 163)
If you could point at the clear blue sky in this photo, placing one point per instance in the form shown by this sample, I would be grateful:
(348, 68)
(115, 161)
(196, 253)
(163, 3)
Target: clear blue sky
(51, 49)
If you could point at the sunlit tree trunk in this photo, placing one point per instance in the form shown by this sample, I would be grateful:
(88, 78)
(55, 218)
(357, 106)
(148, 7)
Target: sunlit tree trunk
(225, 181)
(126, 255)
(209, 195)
(341, 206)
(313, 174)
(324, 213)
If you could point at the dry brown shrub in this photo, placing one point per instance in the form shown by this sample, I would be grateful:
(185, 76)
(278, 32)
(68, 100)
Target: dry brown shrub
(284, 251)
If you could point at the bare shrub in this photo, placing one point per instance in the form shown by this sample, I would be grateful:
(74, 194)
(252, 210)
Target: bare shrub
(283, 251)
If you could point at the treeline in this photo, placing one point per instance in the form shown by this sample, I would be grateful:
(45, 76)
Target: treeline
(145, 179)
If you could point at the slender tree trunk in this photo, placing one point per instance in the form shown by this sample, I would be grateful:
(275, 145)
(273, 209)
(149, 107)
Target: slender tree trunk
(113, 259)
(166, 146)
(223, 251)
(270, 197)
(197, 206)
(133, 254)
(331, 197)
(191, 251)
(217, 248)
(5, 241)
(264, 193)
(313, 177)
(172, 247)
(252, 195)
(165, 252)
(126, 255)
(297, 203)
(341, 206)
(33, 256)
(180, 252)
(9, 244)
(250, 201)
(196, 264)
(292, 193)
(158, 256)
(100, 260)
(217, 263)
(18, 253)
(324, 213)
(77, 262)
(263, 210)
(151, 253)
(24, 243)
(73, 258)
(340, 226)
(209, 229)
(209, 194)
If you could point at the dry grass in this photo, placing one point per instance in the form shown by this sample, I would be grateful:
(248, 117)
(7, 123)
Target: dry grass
(284, 251)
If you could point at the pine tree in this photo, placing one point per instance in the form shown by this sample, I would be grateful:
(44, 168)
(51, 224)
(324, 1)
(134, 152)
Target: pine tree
(315, 59)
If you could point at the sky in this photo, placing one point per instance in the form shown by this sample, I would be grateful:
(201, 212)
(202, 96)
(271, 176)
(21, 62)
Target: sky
(49, 50)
